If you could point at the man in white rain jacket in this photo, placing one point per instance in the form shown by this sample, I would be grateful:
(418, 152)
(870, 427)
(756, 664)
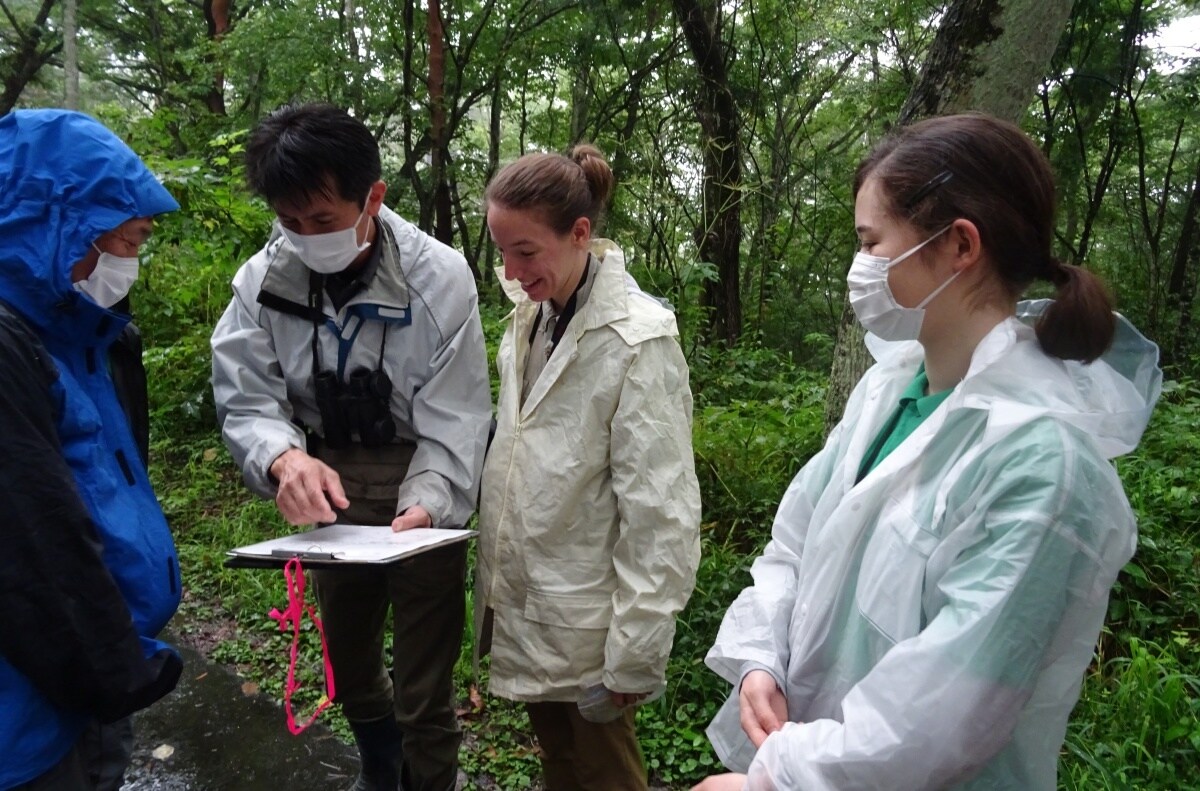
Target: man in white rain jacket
(1012, 523)
(350, 378)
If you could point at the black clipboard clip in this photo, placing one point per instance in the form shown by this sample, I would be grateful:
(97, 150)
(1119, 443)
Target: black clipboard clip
(303, 554)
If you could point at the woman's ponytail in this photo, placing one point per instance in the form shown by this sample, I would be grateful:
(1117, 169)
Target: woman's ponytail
(1079, 323)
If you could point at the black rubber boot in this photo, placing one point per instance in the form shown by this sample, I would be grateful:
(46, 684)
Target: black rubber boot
(380, 748)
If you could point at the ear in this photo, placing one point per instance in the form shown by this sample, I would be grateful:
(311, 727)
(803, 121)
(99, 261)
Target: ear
(375, 198)
(581, 233)
(963, 237)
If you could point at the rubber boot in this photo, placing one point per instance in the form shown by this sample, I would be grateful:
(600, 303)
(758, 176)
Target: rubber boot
(380, 749)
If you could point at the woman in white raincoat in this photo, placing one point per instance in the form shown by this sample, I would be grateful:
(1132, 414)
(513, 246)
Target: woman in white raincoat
(938, 574)
(590, 509)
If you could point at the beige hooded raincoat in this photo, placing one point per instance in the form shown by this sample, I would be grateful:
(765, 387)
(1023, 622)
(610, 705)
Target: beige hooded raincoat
(590, 510)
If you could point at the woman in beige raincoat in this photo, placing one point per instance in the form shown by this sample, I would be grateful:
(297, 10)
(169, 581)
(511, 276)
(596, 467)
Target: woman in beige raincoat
(590, 510)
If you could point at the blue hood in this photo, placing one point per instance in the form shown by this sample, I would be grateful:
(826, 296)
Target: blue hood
(65, 179)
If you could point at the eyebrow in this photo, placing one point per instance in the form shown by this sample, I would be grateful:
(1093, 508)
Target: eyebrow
(139, 234)
(319, 216)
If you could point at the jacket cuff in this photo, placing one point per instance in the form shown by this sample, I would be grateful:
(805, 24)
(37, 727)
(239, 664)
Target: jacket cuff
(258, 467)
(163, 671)
(750, 667)
(633, 682)
(428, 490)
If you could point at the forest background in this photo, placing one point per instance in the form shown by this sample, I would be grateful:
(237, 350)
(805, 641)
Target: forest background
(733, 129)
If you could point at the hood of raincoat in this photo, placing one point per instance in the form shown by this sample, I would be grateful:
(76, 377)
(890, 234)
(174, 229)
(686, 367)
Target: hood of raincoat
(1110, 399)
(65, 180)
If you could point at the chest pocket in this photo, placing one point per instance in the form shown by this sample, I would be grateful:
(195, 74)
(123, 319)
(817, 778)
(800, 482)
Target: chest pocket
(891, 579)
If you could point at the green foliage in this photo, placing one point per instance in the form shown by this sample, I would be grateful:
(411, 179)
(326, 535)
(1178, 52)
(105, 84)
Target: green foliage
(1137, 724)
(758, 417)
(499, 747)
(1159, 591)
(671, 729)
(217, 228)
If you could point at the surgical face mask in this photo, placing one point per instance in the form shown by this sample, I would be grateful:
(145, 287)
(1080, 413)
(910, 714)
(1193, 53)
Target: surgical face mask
(110, 280)
(874, 303)
(331, 252)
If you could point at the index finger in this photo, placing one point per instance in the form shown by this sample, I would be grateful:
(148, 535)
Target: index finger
(332, 483)
(765, 712)
(313, 500)
(751, 726)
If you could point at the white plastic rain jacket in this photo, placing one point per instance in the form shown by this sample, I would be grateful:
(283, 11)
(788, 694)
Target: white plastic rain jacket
(930, 626)
(424, 295)
(590, 510)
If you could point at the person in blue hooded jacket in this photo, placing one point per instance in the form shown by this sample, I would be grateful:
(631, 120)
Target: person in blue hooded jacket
(88, 571)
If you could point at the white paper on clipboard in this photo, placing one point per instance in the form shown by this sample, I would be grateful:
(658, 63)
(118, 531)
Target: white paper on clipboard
(353, 544)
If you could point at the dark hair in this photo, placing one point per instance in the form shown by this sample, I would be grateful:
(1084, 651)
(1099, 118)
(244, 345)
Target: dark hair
(988, 171)
(301, 151)
(564, 188)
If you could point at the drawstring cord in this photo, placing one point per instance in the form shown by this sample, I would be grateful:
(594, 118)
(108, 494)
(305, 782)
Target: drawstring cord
(293, 574)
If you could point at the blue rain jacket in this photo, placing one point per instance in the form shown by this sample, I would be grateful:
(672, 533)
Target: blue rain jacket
(88, 570)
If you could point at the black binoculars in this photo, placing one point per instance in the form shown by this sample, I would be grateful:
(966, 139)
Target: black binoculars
(359, 406)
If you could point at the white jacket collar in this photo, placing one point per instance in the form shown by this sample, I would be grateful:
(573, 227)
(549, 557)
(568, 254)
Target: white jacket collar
(1110, 399)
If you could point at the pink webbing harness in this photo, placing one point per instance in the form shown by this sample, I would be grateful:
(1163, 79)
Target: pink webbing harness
(293, 573)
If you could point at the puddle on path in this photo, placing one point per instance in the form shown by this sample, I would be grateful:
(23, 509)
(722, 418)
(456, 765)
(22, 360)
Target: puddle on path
(220, 739)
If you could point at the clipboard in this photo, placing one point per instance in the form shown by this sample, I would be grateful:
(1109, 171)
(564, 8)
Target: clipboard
(345, 546)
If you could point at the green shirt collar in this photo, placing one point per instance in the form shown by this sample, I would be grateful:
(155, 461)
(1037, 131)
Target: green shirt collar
(915, 394)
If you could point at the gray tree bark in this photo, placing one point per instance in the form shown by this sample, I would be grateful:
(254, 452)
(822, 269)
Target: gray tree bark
(719, 236)
(988, 55)
(70, 56)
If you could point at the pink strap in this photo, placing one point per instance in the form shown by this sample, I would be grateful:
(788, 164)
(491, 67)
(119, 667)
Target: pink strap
(293, 574)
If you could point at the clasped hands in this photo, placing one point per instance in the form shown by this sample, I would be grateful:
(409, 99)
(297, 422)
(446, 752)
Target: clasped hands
(763, 710)
(309, 490)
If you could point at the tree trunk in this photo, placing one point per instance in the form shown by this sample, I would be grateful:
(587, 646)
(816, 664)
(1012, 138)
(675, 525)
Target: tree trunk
(443, 221)
(494, 131)
(1182, 286)
(988, 55)
(719, 234)
(70, 56)
(412, 145)
(216, 15)
(581, 89)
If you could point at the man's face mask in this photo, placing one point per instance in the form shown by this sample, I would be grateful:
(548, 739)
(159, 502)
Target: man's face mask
(331, 252)
(874, 303)
(111, 280)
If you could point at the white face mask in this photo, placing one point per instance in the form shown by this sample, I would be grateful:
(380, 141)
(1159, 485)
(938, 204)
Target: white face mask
(331, 252)
(110, 280)
(873, 302)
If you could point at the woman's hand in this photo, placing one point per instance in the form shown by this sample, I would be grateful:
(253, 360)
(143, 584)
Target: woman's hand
(762, 706)
(726, 782)
(623, 699)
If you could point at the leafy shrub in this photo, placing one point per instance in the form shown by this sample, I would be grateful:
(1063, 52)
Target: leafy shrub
(1138, 721)
(758, 419)
(1159, 591)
